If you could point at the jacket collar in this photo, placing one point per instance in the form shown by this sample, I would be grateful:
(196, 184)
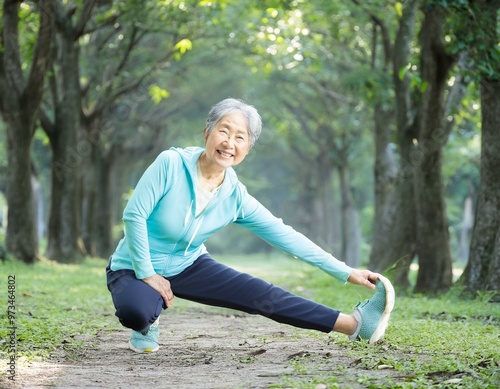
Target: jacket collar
(190, 156)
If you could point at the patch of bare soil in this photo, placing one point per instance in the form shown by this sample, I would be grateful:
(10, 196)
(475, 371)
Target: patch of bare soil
(204, 349)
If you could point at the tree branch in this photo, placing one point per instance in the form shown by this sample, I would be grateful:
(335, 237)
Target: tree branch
(14, 79)
(305, 127)
(386, 38)
(327, 91)
(401, 56)
(41, 57)
(113, 94)
(133, 41)
(88, 7)
(47, 124)
(457, 92)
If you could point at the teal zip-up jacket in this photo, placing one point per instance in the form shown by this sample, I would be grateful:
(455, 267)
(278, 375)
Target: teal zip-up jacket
(163, 235)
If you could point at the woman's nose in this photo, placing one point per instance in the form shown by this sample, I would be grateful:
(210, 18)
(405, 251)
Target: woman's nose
(229, 141)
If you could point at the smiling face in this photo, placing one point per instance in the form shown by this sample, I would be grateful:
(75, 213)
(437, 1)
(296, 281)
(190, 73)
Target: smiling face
(229, 141)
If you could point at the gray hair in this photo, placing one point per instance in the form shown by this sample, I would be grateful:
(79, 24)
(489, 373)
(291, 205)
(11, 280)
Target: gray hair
(225, 107)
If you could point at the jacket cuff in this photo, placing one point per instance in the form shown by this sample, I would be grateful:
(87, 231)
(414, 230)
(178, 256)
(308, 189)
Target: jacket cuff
(338, 269)
(143, 270)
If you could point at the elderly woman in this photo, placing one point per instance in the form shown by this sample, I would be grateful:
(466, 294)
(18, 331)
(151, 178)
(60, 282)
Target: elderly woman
(184, 197)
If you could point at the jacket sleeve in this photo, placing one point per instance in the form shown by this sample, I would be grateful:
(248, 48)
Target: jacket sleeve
(259, 220)
(149, 190)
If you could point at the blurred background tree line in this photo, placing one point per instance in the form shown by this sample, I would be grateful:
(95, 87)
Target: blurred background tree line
(381, 123)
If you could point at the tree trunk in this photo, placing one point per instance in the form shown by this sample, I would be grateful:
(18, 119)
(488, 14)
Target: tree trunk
(90, 189)
(64, 242)
(466, 229)
(395, 240)
(351, 235)
(19, 104)
(21, 232)
(395, 247)
(92, 185)
(385, 168)
(385, 172)
(435, 269)
(483, 269)
(105, 215)
(64, 239)
(97, 205)
(321, 222)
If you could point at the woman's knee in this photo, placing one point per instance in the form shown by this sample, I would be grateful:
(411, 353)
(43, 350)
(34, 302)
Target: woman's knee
(137, 304)
(135, 317)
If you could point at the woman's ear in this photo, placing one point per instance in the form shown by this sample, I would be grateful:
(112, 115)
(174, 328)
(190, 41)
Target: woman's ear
(205, 135)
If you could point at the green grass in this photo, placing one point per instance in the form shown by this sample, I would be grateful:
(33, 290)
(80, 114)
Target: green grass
(56, 305)
(441, 342)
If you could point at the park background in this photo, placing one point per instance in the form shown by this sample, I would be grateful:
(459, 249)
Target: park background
(380, 137)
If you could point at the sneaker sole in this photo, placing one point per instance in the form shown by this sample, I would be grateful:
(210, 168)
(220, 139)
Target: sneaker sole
(143, 350)
(389, 305)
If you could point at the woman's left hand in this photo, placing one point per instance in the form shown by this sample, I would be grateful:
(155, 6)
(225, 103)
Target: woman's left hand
(363, 277)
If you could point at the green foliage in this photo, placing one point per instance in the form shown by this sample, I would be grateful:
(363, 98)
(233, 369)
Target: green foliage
(415, 79)
(474, 27)
(158, 94)
(184, 45)
(29, 21)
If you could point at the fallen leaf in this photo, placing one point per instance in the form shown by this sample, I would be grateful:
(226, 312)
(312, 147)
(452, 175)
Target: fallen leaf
(356, 362)
(258, 352)
(300, 354)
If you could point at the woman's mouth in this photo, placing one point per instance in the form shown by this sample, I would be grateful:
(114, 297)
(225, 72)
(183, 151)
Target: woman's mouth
(224, 154)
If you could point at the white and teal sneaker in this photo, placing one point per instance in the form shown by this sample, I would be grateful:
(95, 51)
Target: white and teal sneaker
(373, 314)
(146, 343)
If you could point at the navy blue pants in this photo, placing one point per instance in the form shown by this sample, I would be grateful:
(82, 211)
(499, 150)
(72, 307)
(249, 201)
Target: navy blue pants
(209, 282)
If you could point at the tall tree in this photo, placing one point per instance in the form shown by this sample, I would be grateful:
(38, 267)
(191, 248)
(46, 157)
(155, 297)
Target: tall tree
(413, 221)
(478, 28)
(82, 93)
(385, 167)
(433, 249)
(62, 126)
(133, 65)
(20, 98)
(395, 240)
(483, 270)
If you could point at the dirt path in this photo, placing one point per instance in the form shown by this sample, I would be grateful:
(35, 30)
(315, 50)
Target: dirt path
(204, 349)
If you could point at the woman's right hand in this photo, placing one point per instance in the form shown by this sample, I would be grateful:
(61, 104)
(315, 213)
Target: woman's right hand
(162, 286)
(363, 277)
